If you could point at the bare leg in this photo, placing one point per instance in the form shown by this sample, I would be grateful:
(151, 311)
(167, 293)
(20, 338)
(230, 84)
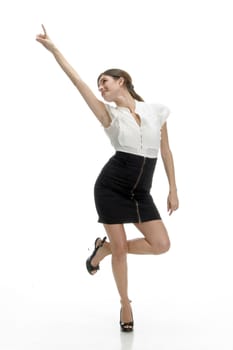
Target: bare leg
(119, 250)
(156, 239)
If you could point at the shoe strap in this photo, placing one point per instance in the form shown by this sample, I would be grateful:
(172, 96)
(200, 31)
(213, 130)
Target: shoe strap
(102, 242)
(129, 301)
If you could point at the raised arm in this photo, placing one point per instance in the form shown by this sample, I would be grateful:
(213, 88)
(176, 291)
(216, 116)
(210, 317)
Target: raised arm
(97, 106)
(172, 201)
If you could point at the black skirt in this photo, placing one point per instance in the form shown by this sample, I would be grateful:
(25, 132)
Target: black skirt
(122, 190)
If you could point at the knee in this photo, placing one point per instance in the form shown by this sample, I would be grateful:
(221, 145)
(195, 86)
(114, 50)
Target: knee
(119, 251)
(162, 246)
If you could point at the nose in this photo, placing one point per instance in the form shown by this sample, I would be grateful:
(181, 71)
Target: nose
(100, 88)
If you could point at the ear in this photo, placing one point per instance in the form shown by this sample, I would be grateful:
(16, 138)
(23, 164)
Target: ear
(121, 81)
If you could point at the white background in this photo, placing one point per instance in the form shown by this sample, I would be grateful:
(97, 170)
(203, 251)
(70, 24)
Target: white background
(52, 148)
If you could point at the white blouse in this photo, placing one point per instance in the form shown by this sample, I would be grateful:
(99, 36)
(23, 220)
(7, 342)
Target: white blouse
(127, 136)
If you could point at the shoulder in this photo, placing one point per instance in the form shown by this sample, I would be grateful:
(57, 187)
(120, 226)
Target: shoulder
(159, 109)
(112, 110)
(156, 109)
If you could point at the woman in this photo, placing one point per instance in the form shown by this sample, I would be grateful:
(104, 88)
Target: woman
(122, 191)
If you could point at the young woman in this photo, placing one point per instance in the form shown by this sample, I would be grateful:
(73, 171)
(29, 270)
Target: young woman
(137, 131)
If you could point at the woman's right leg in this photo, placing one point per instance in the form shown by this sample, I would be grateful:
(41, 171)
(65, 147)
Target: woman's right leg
(119, 249)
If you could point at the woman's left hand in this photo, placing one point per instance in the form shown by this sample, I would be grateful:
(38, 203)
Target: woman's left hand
(172, 202)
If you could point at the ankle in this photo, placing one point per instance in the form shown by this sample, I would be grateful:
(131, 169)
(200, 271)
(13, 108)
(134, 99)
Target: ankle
(125, 302)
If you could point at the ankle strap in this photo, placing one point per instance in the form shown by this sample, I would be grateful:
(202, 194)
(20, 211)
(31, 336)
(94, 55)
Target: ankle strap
(102, 242)
(125, 301)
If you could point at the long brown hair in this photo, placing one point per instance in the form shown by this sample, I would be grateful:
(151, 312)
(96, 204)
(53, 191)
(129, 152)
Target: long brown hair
(119, 73)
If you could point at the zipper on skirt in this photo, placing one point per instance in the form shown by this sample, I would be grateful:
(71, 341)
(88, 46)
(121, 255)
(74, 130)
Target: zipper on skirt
(134, 187)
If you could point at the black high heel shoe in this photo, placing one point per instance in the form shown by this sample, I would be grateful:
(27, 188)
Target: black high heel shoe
(126, 326)
(91, 268)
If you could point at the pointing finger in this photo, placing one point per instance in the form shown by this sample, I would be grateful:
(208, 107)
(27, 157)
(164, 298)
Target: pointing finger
(44, 30)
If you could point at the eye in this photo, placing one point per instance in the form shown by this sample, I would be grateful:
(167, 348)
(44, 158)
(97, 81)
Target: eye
(101, 82)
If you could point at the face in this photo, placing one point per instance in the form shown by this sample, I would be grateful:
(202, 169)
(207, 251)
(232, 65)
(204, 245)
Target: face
(109, 87)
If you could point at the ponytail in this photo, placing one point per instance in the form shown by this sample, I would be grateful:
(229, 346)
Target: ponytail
(133, 93)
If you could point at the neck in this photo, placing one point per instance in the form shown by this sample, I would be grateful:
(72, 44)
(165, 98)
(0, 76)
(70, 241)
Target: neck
(126, 101)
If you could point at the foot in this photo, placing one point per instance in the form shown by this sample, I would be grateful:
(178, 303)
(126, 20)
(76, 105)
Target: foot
(102, 248)
(101, 252)
(126, 317)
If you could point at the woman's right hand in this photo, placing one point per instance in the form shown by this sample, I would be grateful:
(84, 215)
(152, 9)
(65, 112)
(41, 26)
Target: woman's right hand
(45, 40)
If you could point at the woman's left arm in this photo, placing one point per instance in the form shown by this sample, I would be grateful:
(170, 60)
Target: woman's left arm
(172, 201)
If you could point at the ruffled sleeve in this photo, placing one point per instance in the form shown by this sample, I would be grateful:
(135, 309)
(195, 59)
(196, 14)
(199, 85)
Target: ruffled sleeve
(163, 113)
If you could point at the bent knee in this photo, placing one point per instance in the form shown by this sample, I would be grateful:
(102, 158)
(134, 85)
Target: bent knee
(162, 246)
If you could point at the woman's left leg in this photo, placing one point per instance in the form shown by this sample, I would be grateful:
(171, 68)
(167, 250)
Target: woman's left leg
(156, 239)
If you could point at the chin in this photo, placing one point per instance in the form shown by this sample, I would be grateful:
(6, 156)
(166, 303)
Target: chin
(107, 99)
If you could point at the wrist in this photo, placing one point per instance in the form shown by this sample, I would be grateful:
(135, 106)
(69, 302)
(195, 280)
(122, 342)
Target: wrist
(172, 189)
(54, 50)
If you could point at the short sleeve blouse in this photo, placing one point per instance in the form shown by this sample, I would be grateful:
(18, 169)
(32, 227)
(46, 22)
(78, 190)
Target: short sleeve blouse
(127, 136)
